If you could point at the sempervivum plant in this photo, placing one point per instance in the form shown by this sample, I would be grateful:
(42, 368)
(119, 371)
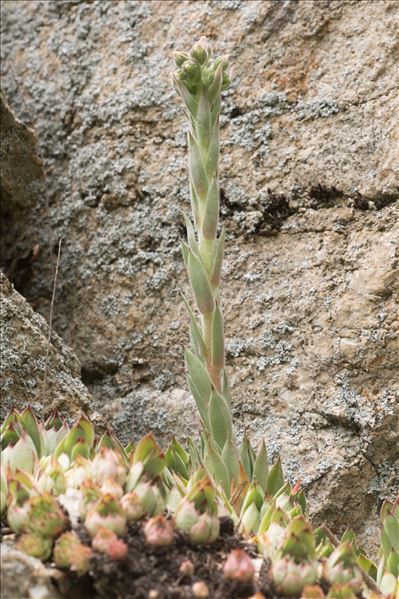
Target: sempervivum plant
(56, 478)
(199, 81)
(197, 514)
(341, 568)
(294, 563)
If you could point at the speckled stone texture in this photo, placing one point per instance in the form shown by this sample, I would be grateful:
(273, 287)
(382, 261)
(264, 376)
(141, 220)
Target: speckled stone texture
(24, 577)
(24, 361)
(309, 199)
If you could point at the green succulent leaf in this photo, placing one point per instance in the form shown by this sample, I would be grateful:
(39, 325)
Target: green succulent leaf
(199, 375)
(29, 423)
(12, 418)
(217, 339)
(217, 265)
(275, 479)
(391, 526)
(197, 169)
(191, 236)
(231, 458)
(200, 284)
(211, 212)
(261, 467)
(217, 469)
(195, 457)
(219, 419)
(248, 456)
(392, 563)
(203, 120)
(199, 402)
(226, 392)
(9, 435)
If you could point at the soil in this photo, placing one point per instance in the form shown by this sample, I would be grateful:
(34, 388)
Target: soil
(148, 573)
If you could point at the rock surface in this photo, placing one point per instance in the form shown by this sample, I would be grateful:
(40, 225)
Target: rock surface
(24, 577)
(24, 342)
(309, 198)
(22, 186)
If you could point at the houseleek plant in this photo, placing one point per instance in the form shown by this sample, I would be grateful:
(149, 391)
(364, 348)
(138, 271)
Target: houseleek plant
(54, 476)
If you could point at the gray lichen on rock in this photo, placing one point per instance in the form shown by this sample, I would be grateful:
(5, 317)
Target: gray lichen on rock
(310, 202)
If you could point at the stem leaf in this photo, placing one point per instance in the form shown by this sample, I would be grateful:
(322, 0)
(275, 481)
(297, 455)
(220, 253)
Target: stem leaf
(219, 419)
(200, 284)
(217, 352)
(217, 265)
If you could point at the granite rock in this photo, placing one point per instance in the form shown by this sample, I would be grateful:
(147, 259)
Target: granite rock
(309, 198)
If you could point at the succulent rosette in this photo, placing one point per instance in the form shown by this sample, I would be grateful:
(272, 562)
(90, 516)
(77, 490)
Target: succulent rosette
(158, 531)
(197, 513)
(294, 563)
(106, 513)
(341, 568)
(69, 552)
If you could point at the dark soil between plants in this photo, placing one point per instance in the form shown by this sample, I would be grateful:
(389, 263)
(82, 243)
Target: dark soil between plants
(149, 572)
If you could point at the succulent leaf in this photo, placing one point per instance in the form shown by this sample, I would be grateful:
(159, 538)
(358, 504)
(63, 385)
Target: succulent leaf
(219, 419)
(275, 479)
(261, 467)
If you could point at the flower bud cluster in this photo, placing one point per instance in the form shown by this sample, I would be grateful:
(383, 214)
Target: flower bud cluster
(196, 69)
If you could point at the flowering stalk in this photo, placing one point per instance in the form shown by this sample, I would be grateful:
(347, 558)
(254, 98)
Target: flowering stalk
(199, 81)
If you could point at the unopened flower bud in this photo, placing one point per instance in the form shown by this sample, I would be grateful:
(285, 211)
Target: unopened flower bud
(46, 518)
(341, 568)
(239, 566)
(271, 539)
(191, 70)
(180, 58)
(200, 589)
(107, 513)
(186, 568)
(158, 532)
(201, 51)
(107, 542)
(69, 552)
(78, 474)
(35, 545)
